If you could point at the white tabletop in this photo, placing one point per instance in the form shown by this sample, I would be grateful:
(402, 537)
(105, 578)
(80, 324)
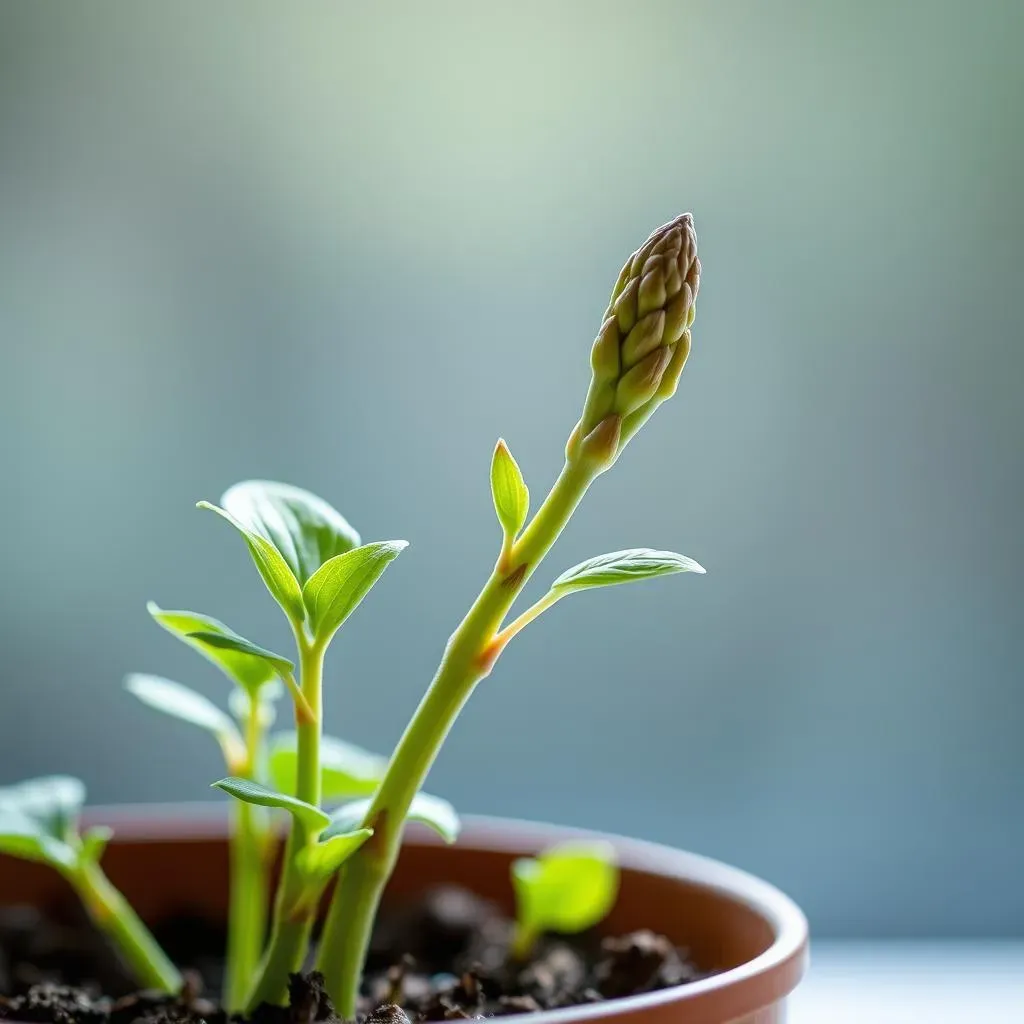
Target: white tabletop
(912, 983)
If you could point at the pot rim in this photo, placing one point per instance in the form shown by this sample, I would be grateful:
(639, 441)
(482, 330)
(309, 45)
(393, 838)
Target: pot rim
(751, 986)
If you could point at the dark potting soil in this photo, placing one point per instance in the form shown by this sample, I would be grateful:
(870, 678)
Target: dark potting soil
(444, 958)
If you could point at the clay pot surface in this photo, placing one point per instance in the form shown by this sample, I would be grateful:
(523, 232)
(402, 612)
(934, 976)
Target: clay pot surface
(174, 859)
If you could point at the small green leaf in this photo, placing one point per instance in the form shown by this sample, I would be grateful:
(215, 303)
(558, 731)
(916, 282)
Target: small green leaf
(622, 567)
(509, 491)
(180, 702)
(433, 811)
(53, 802)
(270, 563)
(38, 819)
(346, 770)
(253, 793)
(567, 888)
(243, 669)
(305, 529)
(320, 860)
(334, 591)
(94, 842)
(27, 839)
(241, 647)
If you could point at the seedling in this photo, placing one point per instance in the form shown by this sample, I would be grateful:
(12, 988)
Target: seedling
(316, 568)
(568, 888)
(39, 821)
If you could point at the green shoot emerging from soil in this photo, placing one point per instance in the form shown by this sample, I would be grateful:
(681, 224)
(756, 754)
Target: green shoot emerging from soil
(314, 566)
(568, 888)
(39, 821)
(317, 569)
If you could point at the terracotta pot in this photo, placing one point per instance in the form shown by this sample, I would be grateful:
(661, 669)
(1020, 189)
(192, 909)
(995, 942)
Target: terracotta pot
(169, 860)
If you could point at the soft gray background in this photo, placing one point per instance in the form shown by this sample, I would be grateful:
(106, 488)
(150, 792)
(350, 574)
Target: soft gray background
(349, 245)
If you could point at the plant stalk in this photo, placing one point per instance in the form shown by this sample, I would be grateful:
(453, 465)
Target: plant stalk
(469, 656)
(114, 916)
(250, 848)
(291, 928)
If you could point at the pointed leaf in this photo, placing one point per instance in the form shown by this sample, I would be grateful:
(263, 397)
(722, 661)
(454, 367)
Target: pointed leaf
(509, 491)
(53, 802)
(253, 793)
(622, 567)
(433, 811)
(334, 591)
(304, 528)
(567, 888)
(278, 577)
(180, 702)
(240, 647)
(243, 669)
(346, 770)
(319, 861)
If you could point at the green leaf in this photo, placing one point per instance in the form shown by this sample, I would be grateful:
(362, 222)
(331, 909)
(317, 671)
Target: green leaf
(241, 647)
(334, 591)
(180, 702)
(433, 811)
(320, 860)
(346, 770)
(567, 888)
(27, 839)
(305, 529)
(622, 567)
(243, 669)
(53, 802)
(253, 793)
(94, 841)
(278, 577)
(509, 491)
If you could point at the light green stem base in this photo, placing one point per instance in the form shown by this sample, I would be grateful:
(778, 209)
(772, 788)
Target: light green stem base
(290, 932)
(113, 915)
(469, 656)
(289, 941)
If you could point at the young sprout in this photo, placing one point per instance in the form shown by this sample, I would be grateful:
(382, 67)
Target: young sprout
(636, 361)
(568, 888)
(315, 567)
(39, 822)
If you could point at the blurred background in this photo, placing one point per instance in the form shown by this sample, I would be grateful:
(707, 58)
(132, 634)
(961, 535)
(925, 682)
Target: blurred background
(349, 245)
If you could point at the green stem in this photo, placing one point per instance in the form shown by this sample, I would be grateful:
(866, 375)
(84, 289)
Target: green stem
(250, 847)
(291, 929)
(523, 940)
(468, 657)
(113, 915)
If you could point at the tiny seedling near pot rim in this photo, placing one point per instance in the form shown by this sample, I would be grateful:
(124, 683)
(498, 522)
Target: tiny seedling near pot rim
(567, 888)
(39, 821)
(316, 567)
